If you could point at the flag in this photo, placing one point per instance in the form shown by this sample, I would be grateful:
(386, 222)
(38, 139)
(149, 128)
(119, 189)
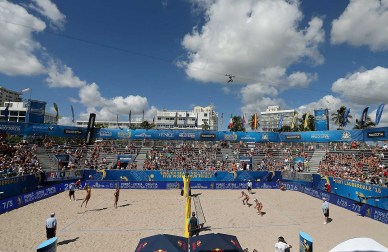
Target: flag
(379, 112)
(129, 117)
(294, 120)
(345, 119)
(153, 120)
(255, 121)
(231, 121)
(306, 120)
(176, 120)
(222, 120)
(117, 119)
(196, 122)
(56, 110)
(364, 116)
(72, 113)
(280, 124)
(143, 117)
(25, 90)
(6, 112)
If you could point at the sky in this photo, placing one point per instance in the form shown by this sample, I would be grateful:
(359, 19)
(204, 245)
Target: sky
(112, 57)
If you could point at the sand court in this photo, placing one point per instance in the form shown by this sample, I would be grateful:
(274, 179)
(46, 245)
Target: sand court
(141, 213)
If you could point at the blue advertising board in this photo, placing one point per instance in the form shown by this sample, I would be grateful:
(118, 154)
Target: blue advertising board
(48, 246)
(12, 128)
(349, 204)
(35, 112)
(176, 175)
(17, 185)
(31, 197)
(323, 136)
(305, 242)
(321, 118)
(376, 134)
(179, 185)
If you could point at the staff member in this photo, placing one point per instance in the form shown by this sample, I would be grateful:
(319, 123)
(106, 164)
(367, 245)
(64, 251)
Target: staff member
(325, 210)
(51, 226)
(193, 225)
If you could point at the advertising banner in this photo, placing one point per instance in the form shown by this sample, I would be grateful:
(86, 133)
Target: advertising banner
(305, 242)
(28, 198)
(176, 175)
(321, 119)
(17, 185)
(323, 136)
(376, 134)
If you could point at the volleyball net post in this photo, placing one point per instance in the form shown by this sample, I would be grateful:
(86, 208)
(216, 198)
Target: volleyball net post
(186, 194)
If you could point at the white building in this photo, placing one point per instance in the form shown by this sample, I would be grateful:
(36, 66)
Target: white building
(269, 120)
(17, 112)
(7, 95)
(195, 119)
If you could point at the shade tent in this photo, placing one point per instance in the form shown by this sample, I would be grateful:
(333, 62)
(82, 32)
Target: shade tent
(359, 245)
(215, 242)
(162, 242)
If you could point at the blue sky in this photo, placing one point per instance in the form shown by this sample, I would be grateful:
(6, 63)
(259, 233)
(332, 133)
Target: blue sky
(112, 57)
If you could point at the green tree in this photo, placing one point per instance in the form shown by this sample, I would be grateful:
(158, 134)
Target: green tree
(367, 125)
(146, 125)
(310, 123)
(236, 124)
(285, 128)
(338, 117)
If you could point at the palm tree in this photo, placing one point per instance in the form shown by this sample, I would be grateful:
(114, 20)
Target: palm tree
(338, 117)
(236, 124)
(367, 125)
(205, 126)
(310, 123)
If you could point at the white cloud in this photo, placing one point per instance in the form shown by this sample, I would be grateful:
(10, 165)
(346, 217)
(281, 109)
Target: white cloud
(257, 98)
(249, 40)
(363, 23)
(17, 47)
(300, 79)
(65, 121)
(366, 87)
(60, 76)
(327, 102)
(107, 109)
(49, 10)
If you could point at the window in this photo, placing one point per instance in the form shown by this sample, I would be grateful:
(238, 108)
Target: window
(205, 114)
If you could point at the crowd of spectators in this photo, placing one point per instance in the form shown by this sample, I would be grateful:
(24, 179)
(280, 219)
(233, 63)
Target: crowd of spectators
(351, 163)
(191, 156)
(18, 159)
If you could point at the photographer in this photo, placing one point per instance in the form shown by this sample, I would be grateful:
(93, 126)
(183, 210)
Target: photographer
(282, 246)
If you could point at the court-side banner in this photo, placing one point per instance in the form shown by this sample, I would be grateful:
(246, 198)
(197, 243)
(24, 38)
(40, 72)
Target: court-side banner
(176, 175)
(141, 134)
(31, 197)
(376, 134)
(322, 136)
(179, 185)
(17, 185)
(321, 119)
(354, 206)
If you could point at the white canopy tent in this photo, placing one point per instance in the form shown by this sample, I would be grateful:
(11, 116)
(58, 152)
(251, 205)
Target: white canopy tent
(358, 245)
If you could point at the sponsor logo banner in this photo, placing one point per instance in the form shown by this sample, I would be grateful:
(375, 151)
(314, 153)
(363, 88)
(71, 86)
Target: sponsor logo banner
(376, 134)
(208, 135)
(293, 136)
(72, 131)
